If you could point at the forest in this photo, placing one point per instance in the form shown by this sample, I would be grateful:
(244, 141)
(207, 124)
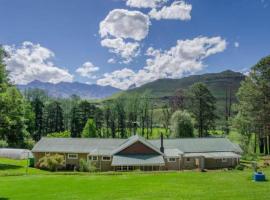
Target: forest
(27, 116)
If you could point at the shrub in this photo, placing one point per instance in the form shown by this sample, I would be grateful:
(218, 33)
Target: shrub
(52, 162)
(3, 144)
(29, 143)
(86, 166)
(63, 134)
(240, 167)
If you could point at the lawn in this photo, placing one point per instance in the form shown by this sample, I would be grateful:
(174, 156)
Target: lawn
(128, 186)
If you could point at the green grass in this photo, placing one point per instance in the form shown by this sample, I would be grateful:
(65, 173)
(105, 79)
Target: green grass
(130, 186)
(16, 167)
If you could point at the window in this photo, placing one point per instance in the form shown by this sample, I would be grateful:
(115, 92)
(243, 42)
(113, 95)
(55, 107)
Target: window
(172, 160)
(93, 158)
(106, 158)
(188, 159)
(224, 160)
(72, 156)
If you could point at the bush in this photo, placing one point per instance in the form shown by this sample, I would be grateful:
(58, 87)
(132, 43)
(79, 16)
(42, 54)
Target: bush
(63, 134)
(29, 143)
(3, 144)
(240, 167)
(52, 162)
(86, 166)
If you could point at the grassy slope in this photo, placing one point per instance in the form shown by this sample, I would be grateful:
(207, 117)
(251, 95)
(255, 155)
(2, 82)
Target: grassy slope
(157, 186)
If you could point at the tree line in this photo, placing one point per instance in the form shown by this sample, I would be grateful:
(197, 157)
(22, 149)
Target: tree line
(25, 118)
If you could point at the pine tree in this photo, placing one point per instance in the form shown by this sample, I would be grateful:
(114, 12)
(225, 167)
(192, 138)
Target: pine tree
(203, 108)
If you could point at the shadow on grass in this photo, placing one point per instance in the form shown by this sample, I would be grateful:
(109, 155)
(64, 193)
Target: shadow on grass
(3, 198)
(7, 167)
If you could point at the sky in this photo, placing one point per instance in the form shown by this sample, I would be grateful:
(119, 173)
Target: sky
(126, 43)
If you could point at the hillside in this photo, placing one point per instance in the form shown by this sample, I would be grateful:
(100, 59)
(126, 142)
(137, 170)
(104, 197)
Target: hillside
(65, 89)
(218, 83)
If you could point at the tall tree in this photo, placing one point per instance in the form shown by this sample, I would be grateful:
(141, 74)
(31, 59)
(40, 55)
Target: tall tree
(254, 102)
(182, 124)
(12, 109)
(54, 117)
(177, 100)
(203, 108)
(75, 125)
(89, 130)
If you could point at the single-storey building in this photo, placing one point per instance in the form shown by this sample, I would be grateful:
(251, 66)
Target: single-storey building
(138, 153)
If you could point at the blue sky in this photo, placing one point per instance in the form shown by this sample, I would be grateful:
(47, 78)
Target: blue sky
(64, 36)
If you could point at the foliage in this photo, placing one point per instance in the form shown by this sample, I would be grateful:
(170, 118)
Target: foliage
(254, 105)
(63, 134)
(3, 144)
(29, 143)
(86, 166)
(203, 108)
(89, 130)
(182, 124)
(54, 117)
(52, 162)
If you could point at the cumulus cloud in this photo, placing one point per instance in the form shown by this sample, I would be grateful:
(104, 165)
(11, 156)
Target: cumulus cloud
(29, 62)
(177, 10)
(87, 70)
(186, 57)
(120, 78)
(121, 23)
(121, 30)
(126, 50)
(145, 3)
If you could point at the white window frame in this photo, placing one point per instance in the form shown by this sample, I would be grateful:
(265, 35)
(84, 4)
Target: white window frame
(93, 156)
(70, 156)
(106, 157)
(169, 159)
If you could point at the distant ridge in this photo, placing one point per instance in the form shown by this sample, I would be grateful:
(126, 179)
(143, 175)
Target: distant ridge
(66, 89)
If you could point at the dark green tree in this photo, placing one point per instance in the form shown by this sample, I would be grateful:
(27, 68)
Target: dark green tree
(203, 108)
(54, 117)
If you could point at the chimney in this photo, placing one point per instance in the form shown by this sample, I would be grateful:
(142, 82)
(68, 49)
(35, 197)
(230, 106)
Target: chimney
(161, 143)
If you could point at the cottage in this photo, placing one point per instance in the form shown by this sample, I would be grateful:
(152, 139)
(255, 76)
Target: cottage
(138, 153)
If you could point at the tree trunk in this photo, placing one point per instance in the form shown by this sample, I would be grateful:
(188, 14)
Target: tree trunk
(255, 143)
(265, 146)
(261, 145)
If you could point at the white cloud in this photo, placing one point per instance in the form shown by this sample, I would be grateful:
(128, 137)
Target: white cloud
(236, 44)
(177, 10)
(185, 58)
(125, 24)
(30, 62)
(145, 3)
(87, 70)
(111, 61)
(120, 78)
(126, 50)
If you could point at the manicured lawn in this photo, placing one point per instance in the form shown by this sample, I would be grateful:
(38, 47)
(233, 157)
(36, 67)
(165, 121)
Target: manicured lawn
(16, 167)
(128, 186)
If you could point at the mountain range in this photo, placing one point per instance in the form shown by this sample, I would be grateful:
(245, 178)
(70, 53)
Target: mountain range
(66, 89)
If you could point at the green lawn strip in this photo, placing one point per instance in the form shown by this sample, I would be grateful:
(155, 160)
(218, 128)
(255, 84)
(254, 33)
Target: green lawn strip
(173, 185)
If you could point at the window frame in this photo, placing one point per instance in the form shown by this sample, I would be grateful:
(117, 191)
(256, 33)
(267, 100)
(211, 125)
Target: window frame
(76, 156)
(106, 159)
(92, 156)
(169, 159)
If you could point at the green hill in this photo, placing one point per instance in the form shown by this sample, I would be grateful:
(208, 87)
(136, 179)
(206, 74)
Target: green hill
(218, 83)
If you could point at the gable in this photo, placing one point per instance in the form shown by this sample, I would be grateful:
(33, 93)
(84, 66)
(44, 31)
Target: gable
(137, 148)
